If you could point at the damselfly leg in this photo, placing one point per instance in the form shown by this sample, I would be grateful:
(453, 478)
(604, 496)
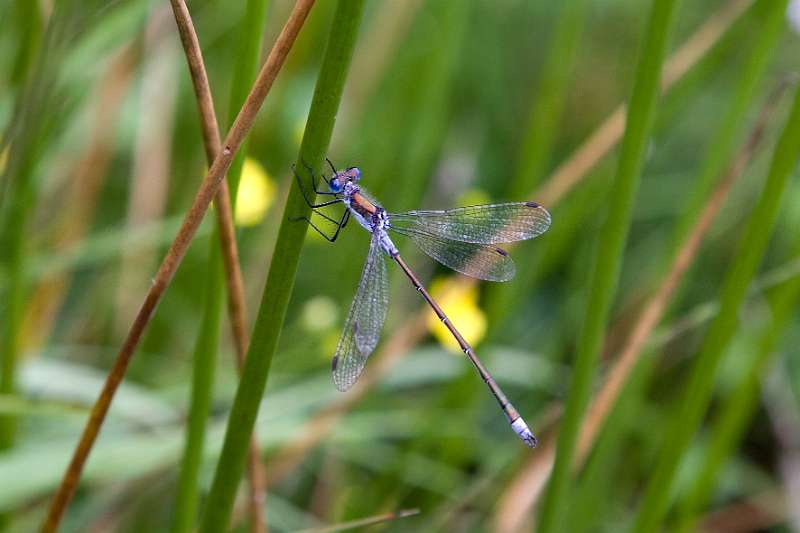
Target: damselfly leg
(340, 223)
(333, 170)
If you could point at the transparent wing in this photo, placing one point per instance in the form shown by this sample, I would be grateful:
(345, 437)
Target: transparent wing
(477, 260)
(479, 224)
(362, 329)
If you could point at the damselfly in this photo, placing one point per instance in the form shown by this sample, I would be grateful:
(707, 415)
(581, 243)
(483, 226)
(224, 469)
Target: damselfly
(463, 239)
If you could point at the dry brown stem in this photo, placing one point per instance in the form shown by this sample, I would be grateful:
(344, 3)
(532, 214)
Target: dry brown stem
(654, 309)
(512, 510)
(605, 137)
(227, 235)
(208, 189)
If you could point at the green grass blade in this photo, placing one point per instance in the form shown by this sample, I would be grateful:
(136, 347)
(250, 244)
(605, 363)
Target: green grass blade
(203, 370)
(698, 391)
(432, 90)
(608, 259)
(550, 97)
(537, 145)
(245, 71)
(605, 462)
(594, 482)
(207, 342)
(738, 408)
(280, 280)
(30, 132)
(29, 25)
(729, 133)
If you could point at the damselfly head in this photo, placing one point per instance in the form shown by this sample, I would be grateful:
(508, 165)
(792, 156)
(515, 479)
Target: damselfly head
(338, 181)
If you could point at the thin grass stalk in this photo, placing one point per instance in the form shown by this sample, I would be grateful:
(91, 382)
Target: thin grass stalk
(598, 476)
(87, 177)
(223, 241)
(657, 305)
(607, 135)
(282, 271)
(152, 154)
(621, 391)
(549, 98)
(780, 403)
(687, 418)
(29, 24)
(203, 366)
(432, 86)
(625, 383)
(739, 406)
(380, 43)
(617, 392)
(363, 522)
(244, 72)
(501, 300)
(524, 489)
(26, 135)
(245, 69)
(208, 189)
(737, 409)
(609, 254)
(632, 365)
(247, 55)
(723, 144)
(19, 203)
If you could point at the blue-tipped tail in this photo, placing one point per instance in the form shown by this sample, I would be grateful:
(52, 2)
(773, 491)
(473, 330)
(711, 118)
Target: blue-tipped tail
(521, 428)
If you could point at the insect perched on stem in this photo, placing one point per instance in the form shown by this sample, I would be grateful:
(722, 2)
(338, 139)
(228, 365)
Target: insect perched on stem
(463, 239)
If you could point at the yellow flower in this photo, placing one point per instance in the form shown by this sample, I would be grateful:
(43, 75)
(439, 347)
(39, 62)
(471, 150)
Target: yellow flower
(256, 194)
(460, 303)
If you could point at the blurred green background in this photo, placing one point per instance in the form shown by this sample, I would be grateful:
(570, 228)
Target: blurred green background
(446, 103)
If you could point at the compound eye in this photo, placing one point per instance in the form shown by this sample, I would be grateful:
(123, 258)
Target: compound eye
(335, 184)
(355, 172)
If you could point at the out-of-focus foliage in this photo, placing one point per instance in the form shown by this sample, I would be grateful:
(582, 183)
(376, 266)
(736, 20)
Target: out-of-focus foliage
(101, 154)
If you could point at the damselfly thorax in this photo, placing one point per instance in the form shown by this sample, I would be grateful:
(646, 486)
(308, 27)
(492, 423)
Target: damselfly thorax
(368, 214)
(463, 239)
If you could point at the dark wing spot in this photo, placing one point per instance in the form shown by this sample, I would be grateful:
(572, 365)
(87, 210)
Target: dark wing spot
(532, 204)
(334, 363)
(501, 252)
(355, 327)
